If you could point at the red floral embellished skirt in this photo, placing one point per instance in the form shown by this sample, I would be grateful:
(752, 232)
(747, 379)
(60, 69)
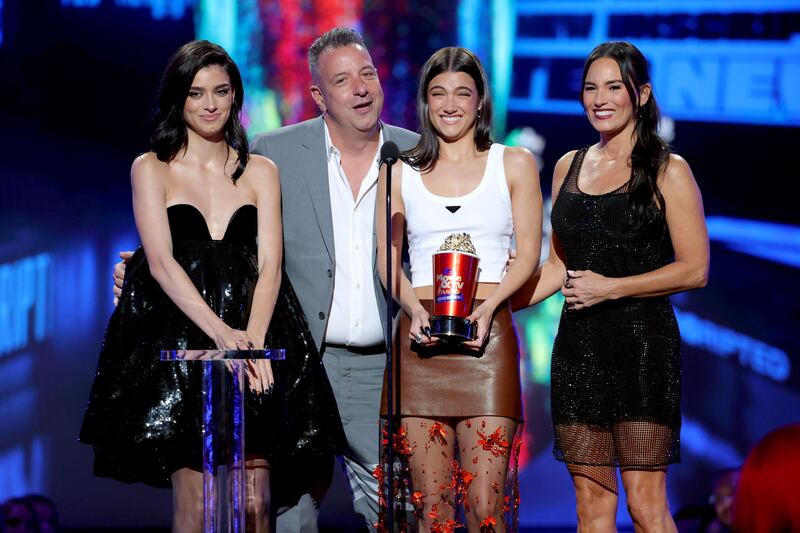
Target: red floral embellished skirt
(450, 386)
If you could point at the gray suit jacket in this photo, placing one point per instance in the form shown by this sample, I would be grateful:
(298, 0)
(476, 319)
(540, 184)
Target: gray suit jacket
(299, 151)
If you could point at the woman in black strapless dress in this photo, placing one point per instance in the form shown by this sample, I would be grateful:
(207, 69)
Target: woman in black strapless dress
(208, 275)
(628, 230)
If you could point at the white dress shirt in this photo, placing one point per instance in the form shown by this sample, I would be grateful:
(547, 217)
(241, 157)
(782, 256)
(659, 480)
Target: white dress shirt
(354, 318)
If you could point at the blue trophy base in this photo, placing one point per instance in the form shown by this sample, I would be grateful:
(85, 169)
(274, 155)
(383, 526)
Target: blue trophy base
(453, 329)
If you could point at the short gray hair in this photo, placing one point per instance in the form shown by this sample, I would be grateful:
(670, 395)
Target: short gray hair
(330, 40)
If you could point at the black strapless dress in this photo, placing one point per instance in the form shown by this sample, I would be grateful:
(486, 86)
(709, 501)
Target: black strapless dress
(144, 415)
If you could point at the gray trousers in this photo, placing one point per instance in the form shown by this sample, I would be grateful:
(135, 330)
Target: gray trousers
(357, 381)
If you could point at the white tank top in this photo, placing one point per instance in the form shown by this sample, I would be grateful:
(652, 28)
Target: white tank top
(484, 213)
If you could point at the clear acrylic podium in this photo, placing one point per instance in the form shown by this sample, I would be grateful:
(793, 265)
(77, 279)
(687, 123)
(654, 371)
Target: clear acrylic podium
(223, 432)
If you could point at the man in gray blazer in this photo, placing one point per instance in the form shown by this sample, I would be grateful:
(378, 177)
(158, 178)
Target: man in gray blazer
(328, 169)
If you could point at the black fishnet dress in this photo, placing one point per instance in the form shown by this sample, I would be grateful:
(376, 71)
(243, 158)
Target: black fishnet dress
(616, 366)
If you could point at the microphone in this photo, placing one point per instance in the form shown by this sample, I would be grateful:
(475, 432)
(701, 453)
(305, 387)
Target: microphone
(389, 153)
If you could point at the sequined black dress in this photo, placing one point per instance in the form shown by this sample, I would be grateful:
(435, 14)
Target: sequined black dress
(616, 366)
(144, 416)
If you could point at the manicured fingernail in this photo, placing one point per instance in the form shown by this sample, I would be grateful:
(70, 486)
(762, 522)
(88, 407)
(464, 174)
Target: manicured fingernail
(427, 331)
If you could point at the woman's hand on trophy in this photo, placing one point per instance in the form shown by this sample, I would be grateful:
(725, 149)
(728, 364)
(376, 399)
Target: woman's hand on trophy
(420, 330)
(481, 317)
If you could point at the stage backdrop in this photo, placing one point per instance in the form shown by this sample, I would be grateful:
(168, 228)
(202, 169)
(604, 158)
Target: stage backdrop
(79, 80)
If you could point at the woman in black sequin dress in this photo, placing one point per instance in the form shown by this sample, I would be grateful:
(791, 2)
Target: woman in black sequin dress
(628, 230)
(208, 275)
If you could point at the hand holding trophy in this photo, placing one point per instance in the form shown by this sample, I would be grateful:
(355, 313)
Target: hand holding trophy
(455, 280)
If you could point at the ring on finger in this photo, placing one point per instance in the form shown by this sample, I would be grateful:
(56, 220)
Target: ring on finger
(418, 338)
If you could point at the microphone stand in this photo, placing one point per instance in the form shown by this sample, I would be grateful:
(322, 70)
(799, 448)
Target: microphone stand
(389, 154)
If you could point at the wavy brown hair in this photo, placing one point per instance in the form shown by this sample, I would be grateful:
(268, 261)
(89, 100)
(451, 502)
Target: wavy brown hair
(451, 59)
(168, 134)
(650, 155)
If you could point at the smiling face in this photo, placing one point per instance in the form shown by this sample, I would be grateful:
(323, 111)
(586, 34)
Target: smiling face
(209, 102)
(453, 104)
(606, 99)
(347, 89)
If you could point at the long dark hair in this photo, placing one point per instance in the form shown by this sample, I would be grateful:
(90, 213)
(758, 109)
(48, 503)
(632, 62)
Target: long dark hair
(650, 155)
(168, 134)
(451, 59)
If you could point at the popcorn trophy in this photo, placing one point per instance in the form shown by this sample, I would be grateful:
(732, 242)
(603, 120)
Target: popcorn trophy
(455, 279)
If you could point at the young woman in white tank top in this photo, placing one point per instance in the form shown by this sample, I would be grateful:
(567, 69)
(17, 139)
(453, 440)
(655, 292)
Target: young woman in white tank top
(456, 180)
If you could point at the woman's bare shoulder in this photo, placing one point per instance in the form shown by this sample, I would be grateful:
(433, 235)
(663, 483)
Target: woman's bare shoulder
(261, 172)
(676, 174)
(261, 163)
(562, 167)
(148, 168)
(518, 158)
